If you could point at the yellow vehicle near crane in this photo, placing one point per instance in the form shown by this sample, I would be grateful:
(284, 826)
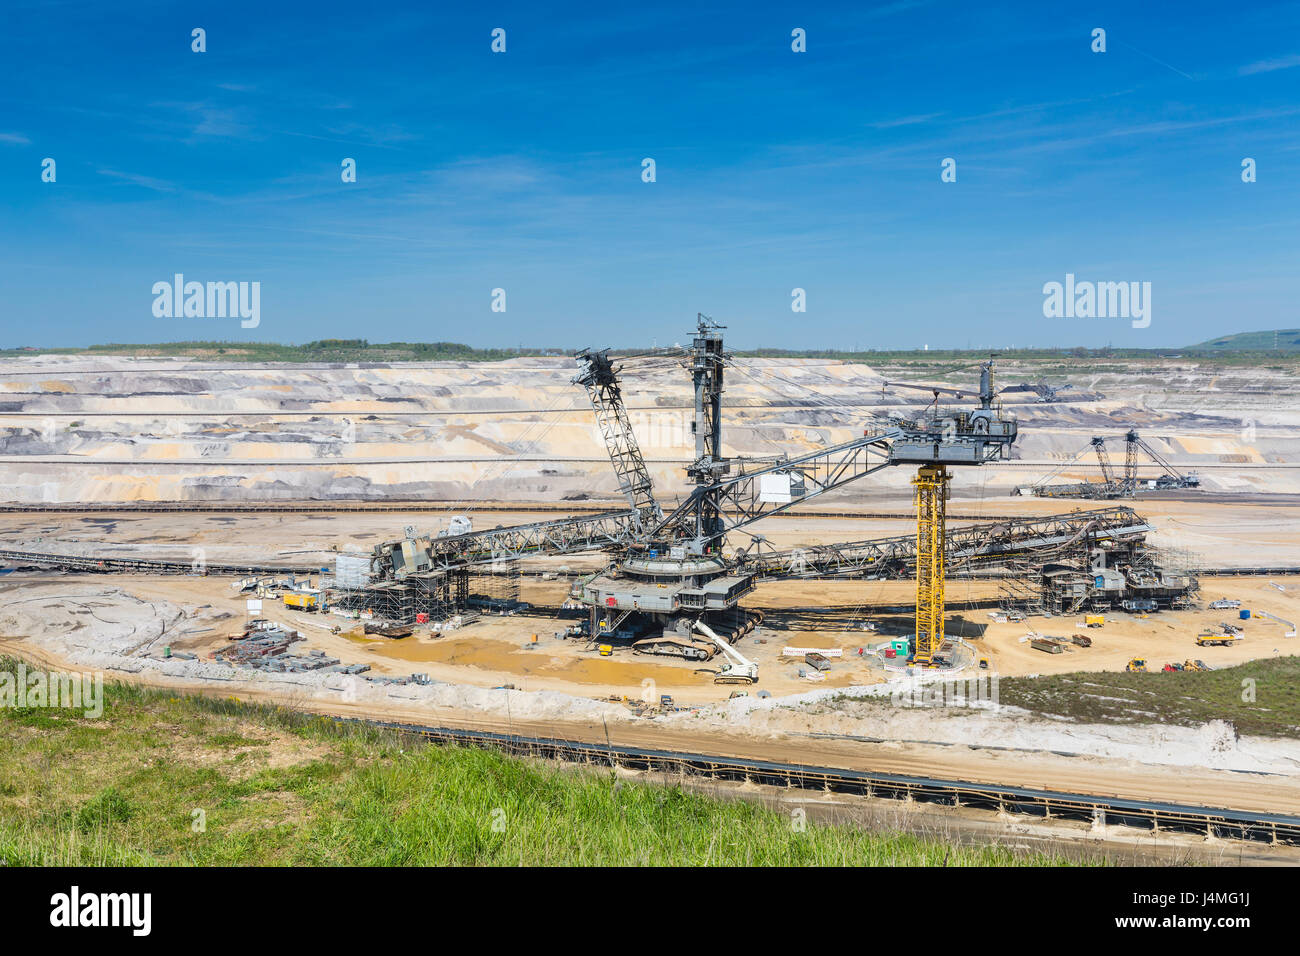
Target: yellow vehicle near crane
(1210, 639)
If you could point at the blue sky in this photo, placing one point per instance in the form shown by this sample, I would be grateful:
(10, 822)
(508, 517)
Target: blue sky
(775, 170)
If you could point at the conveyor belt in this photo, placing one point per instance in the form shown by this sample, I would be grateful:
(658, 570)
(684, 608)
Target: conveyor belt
(1093, 808)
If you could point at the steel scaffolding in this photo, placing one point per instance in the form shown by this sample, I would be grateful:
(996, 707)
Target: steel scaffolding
(434, 594)
(495, 584)
(931, 483)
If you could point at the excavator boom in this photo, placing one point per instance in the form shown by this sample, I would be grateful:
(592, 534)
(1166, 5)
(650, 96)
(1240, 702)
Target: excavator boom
(600, 378)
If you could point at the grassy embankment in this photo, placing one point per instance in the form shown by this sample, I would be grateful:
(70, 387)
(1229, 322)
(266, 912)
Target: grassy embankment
(277, 787)
(1271, 704)
(1259, 697)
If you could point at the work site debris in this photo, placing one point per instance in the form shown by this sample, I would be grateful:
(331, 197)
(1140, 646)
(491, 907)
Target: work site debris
(264, 646)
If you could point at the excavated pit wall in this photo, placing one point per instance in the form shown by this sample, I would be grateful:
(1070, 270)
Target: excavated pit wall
(126, 430)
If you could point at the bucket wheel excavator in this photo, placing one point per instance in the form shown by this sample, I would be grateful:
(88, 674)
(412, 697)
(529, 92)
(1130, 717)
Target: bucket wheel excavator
(1115, 484)
(673, 589)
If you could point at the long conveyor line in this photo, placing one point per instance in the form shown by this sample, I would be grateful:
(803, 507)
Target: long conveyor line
(97, 564)
(103, 564)
(1094, 808)
(403, 507)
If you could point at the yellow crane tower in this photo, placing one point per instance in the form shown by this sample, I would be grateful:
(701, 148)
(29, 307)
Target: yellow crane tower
(931, 484)
(941, 439)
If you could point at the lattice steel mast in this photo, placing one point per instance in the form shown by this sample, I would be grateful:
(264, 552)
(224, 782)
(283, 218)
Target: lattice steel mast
(600, 379)
(931, 484)
(707, 360)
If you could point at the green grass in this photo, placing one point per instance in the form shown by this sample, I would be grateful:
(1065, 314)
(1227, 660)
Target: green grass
(1185, 699)
(279, 787)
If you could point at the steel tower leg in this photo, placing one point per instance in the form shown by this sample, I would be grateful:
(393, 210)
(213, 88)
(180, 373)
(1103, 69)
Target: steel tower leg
(931, 483)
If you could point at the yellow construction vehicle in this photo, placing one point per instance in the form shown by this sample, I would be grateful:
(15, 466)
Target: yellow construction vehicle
(1094, 620)
(1137, 664)
(1215, 640)
(303, 602)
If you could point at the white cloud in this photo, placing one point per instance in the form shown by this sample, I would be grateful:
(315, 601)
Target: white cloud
(1268, 66)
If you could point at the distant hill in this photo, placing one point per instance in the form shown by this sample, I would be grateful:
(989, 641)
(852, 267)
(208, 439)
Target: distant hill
(324, 350)
(1243, 348)
(1283, 340)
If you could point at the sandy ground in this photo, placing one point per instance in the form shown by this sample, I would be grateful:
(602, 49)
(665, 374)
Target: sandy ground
(501, 651)
(113, 430)
(525, 651)
(1197, 775)
(120, 624)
